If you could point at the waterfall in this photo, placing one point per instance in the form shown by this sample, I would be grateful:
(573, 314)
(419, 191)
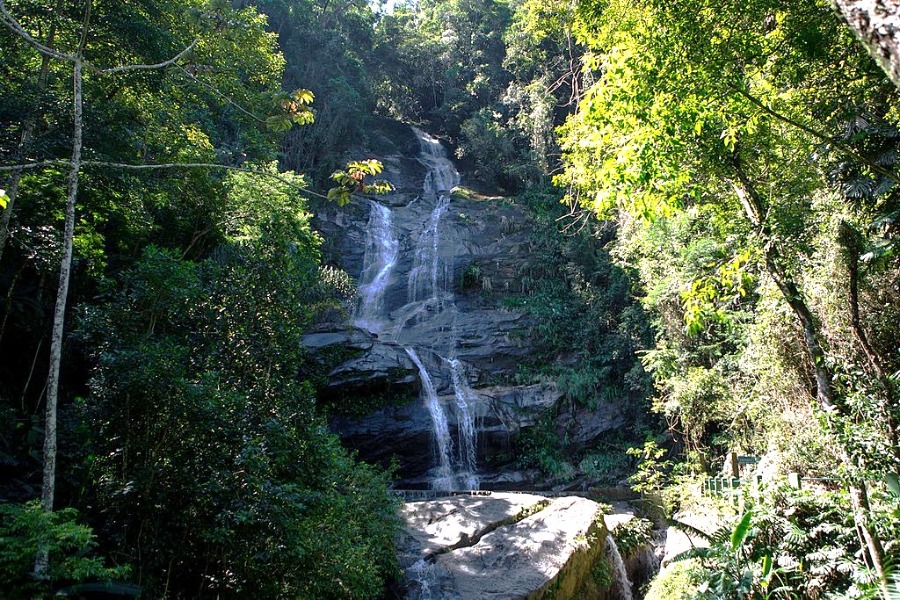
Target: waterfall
(427, 279)
(429, 293)
(380, 257)
(444, 479)
(465, 404)
(442, 175)
(620, 587)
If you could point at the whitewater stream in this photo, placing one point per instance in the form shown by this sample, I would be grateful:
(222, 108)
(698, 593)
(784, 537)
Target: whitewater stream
(429, 296)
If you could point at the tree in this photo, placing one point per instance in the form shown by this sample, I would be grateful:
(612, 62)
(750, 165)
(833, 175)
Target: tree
(77, 57)
(214, 472)
(717, 105)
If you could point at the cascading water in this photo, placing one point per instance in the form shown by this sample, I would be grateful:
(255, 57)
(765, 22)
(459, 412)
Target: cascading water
(444, 477)
(429, 295)
(427, 280)
(620, 587)
(465, 405)
(381, 255)
(442, 175)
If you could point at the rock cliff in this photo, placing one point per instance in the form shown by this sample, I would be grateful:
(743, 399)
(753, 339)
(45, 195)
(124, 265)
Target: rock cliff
(442, 264)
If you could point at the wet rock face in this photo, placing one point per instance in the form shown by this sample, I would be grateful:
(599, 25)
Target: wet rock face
(502, 546)
(403, 434)
(452, 259)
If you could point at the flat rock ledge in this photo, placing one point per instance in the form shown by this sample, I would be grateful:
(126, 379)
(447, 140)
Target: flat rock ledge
(503, 546)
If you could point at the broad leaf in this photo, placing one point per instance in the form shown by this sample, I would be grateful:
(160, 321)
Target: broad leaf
(741, 530)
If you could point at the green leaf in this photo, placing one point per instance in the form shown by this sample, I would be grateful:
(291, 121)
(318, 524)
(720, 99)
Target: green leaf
(4, 199)
(766, 568)
(740, 531)
(279, 123)
(303, 96)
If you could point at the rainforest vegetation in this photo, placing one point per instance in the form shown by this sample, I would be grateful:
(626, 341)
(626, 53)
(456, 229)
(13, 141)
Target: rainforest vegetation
(714, 192)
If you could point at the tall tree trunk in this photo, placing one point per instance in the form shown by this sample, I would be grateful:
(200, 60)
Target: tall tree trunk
(754, 207)
(48, 488)
(876, 23)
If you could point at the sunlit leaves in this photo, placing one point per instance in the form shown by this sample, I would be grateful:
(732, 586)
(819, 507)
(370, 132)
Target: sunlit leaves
(715, 297)
(4, 199)
(352, 180)
(296, 110)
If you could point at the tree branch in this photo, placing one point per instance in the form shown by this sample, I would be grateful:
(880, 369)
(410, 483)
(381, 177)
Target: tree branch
(754, 206)
(150, 167)
(816, 134)
(36, 165)
(221, 95)
(162, 65)
(17, 28)
(877, 26)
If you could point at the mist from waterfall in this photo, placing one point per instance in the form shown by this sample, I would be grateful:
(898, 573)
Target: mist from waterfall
(382, 249)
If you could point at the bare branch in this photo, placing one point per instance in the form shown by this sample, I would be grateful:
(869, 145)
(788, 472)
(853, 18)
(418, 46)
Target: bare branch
(221, 95)
(163, 166)
(36, 165)
(20, 31)
(151, 167)
(162, 65)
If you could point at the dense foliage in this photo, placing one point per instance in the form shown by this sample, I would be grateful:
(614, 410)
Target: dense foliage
(746, 151)
(186, 438)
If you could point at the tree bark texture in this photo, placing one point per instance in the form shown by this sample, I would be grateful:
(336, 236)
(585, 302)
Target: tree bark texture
(48, 487)
(876, 23)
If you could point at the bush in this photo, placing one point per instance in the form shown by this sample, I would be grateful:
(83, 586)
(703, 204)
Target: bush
(24, 528)
(678, 581)
(214, 470)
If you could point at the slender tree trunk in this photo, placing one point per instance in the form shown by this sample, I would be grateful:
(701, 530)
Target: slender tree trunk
(849, 240)
(48, 487)
(754, 207)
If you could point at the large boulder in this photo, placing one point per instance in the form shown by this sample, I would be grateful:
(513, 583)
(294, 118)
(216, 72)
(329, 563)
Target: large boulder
(503, 546)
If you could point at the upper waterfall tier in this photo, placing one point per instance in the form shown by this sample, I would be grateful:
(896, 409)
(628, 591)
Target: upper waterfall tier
(442, 175)
(382, 249)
